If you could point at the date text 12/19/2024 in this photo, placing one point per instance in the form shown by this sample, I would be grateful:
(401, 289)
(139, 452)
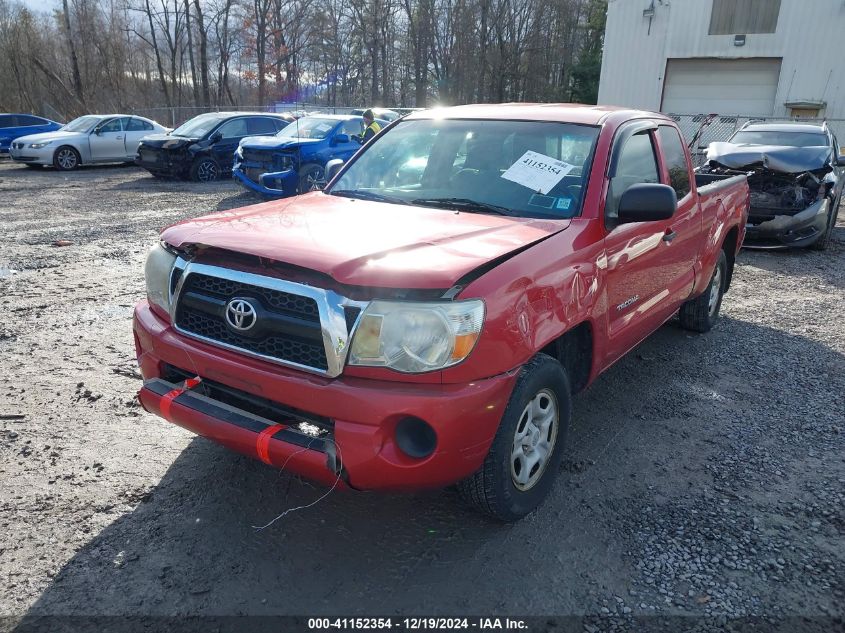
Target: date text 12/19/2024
(417, 624)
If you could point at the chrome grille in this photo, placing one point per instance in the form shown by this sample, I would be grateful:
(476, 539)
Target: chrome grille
(297, 325)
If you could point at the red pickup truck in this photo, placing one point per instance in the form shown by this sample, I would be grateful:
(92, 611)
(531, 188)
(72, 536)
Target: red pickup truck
(424, 320)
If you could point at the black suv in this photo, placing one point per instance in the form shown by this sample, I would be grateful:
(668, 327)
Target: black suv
(203, 148)
(795, 176)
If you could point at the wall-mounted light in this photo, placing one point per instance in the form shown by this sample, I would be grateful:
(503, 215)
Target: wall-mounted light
(648, 12)
(739, 40)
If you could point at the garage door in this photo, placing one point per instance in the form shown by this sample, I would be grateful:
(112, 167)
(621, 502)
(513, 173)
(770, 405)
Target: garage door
(724, 86)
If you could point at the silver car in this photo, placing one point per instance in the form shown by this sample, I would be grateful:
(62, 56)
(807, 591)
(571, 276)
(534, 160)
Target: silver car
(90, 139)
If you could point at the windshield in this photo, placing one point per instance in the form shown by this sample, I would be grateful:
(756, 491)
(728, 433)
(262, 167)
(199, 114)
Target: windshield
(787, 139)
(524, 168)
(82, 124)
(197, 127)
(309, 127)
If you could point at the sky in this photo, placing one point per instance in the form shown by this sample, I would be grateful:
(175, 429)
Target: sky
(42, 5)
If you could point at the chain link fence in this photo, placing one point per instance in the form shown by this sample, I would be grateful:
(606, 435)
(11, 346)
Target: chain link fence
(721, 128)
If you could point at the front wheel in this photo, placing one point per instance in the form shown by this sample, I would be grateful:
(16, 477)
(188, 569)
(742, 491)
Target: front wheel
(205, 170)
(525, 456)
(66, 158)
(311, 178)
(700, 314)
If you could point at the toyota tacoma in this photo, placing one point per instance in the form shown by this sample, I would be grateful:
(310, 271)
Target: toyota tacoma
(425, 320)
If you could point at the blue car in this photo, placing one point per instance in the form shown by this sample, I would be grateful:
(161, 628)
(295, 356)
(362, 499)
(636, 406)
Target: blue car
(294, 160)
(13, 126)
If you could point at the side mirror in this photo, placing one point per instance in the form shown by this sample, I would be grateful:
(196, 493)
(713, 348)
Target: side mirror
(332, 167)
(340, 138)
(840, 160)
(647, 202)
(217, 136)
(98, 131)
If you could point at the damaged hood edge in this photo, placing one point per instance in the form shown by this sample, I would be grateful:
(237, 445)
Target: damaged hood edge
(778, 158)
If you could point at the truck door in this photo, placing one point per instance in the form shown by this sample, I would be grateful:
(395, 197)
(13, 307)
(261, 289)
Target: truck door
(106, 141)
(641, 272)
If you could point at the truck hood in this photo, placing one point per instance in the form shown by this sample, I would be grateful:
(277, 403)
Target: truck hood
(50, 137)
(779, 158)
(276, 143)
(364, 243)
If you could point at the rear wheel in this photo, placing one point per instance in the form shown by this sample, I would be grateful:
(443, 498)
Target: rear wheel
(525, 456)
(700, 314)
(66, 158)
(311, 178)
(205, 170)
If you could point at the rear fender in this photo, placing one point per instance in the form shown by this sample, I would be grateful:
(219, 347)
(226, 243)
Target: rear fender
(723, 221)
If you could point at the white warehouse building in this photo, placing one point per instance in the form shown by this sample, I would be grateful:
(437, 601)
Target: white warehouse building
(746, 58)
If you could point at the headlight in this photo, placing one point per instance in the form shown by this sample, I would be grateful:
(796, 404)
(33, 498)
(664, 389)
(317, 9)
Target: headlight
(39, 145)
(416, 337)
(157, 271)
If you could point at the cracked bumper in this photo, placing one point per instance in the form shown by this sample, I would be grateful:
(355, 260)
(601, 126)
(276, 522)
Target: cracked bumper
(789, 231)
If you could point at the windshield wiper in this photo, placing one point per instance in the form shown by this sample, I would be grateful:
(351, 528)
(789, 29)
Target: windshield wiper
(363, 194)
(463, 204)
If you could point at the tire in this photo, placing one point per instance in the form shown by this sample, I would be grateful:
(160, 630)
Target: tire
(510, 484)
(66, 158)
(700, 314)
(823, 242)
(312, 177)
(205, 170)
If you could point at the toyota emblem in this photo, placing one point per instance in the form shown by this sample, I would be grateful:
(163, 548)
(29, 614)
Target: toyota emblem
(240, 315)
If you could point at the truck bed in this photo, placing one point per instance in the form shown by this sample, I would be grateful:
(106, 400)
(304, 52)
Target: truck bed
(708, 184)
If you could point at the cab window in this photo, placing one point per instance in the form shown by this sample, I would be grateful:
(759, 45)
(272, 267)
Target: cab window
(676, 160)
(115, 125)
(138, 125)
(261, 126)
(636, 164)
(233, 129)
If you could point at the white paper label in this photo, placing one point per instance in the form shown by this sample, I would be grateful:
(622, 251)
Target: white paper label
(538, 172)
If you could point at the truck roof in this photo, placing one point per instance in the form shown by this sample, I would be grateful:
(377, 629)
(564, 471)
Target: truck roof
(556, 112)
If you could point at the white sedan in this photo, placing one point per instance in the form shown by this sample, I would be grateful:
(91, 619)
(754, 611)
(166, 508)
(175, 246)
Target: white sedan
(90, 139)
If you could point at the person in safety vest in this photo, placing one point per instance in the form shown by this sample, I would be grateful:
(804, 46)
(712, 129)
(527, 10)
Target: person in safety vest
(373, 128)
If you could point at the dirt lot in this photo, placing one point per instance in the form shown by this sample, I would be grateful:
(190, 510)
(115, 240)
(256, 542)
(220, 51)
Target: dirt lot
(705, 474)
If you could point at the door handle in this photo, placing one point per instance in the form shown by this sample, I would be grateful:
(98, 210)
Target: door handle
(669, 235)
(118, 138)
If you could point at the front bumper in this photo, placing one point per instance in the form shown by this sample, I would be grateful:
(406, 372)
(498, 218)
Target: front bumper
(364, 413)
(42, 156)
(271, 184)
(788, 231)
(162, 162)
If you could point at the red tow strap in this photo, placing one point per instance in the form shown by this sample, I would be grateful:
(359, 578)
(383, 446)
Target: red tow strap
(262, 442)
(168, 398)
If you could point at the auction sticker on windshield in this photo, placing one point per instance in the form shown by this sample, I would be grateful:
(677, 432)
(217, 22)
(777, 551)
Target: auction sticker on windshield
(538, 172)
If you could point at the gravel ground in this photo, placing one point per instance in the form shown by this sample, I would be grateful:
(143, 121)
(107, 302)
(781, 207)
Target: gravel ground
(705, 474)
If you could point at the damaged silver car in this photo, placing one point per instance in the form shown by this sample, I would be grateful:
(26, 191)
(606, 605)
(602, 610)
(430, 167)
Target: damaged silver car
(794, 172)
